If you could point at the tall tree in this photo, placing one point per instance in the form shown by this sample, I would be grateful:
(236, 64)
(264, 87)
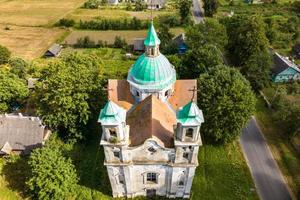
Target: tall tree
(185, 10)
(65, 92)
(210, 7)
(4, 55)
(13, 91)
(200, 60)
(210, 32)
(248, 48)
(227, 102)
(167, 45)
(53, 177)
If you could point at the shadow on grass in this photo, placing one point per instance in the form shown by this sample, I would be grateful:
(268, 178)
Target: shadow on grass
(16, 171)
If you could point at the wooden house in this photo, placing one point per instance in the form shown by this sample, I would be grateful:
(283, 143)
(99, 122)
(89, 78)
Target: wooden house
(53, 51)
(181, 44)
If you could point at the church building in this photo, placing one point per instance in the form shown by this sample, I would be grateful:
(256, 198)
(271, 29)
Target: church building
(151, 128)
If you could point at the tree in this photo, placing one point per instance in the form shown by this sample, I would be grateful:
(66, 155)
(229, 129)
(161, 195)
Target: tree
(4, 55)
(120, 42)
(13, 91)
(200, 60)
(65, 93)
(210, 32)
(210, 7)
(185, 10)
(18, 67)
(139, 6)
(248, 48)
(167, 45)
(53, 177)
(227, 102)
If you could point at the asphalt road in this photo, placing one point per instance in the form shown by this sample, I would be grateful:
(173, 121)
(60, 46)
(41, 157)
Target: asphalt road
(197, 12)
(267, 176)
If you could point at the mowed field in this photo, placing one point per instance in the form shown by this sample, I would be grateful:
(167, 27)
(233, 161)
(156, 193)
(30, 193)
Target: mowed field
(28, 42)
(35, 12)
(109, 36)
(89, 14)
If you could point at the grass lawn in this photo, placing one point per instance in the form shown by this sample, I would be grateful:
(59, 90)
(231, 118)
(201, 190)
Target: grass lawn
(283, 152)
(89, 14)
(28, 42)
(35, 12)
(109, 36)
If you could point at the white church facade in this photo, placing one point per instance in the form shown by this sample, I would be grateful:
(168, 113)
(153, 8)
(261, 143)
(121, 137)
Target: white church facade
(151, 128)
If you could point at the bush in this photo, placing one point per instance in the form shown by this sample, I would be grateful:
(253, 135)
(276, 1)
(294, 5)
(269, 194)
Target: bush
(91, 4)
(66, 22)
(169, 20)
(18, 67)
(120, 42)
(4, 55)
(53, 177)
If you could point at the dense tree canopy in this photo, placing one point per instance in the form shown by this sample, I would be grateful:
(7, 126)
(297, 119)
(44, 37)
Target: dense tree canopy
(185, 10)
(4, 55)
(210, 32)
(66, 91)
(167, 45)
(227, 102)
(18, 67)
(13, 91)
(210, 7)
(53, 177)
(249, 48)
(197, 61)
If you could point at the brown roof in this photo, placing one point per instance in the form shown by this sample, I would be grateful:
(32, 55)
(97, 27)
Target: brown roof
(119, 92)
(151, 118)
(181, 95)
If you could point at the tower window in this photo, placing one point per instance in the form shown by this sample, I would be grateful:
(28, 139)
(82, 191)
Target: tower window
(167, 93)
(186, 155)
(117, 154)
(112, 132)
(137, 93)
(151, 178)
(189, 133)
(181, 180)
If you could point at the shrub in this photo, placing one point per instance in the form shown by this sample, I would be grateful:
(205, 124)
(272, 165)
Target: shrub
(91, 4)
(66, 22)
(120, 42)
(4, 55)
(18, 67)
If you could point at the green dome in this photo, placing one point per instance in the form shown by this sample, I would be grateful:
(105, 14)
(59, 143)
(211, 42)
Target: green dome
(190, 114)
(112, 114)
(152, 72)
(151, 39)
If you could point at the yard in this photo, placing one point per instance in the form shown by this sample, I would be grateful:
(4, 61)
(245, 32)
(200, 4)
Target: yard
(35, 12)
(28, 42)
(109, 36)
(284, 153)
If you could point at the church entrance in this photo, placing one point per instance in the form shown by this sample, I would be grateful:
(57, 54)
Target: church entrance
(150, 193)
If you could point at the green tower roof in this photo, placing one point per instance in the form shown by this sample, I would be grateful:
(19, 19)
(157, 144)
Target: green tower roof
(190, 114)
(152, 72)
(151, 39)
(112, 114)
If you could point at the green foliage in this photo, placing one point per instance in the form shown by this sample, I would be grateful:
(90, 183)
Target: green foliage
(13, 91)
(120, 43)
(86, 42)
(18, 67)
(185, 10)
(210, 7)
(91, 4)
(53, 177)
(67, 91)
(139, 6)
(227, 102)
(113, 24)
(66, 22)
(4, 55)
(200, 60)
(169, 20)
(167, 45)
(248, 48)
(296, 6)
(210, 32)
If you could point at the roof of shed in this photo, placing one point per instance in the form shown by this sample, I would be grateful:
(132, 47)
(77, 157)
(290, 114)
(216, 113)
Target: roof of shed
(55, 49)
(21, 132)
(281, 63)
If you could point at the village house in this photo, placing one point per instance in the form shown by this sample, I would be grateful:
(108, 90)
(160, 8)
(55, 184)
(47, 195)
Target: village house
(138, 45)
(180, 41)
(156, 4)
(151, 128)
(20, 134)
(284, 70)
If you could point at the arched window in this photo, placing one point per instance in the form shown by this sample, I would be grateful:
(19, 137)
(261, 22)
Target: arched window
(113, 132)
(137, 93)
(189, 132)
(181, 180)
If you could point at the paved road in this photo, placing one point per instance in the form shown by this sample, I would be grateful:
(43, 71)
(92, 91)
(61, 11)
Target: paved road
(197, 12)
(267, 176)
